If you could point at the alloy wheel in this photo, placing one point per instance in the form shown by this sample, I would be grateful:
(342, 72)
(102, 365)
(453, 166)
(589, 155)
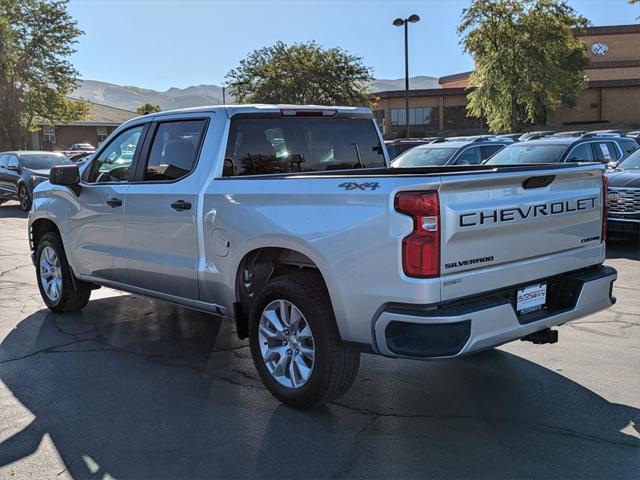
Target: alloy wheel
(24, 198)
(50, 273)
(286, 344)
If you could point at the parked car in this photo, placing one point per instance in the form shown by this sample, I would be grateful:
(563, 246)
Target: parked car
(635, 134)
(21, 171)
(289, 221)
(450, 153)
(401, 145)
(566, 149)
(624, 195)
(536, 135)
(514, 137)
(82, 147)
(606, 133)
(572, 133)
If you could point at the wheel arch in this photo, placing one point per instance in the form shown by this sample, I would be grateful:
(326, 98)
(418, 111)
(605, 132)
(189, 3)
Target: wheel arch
(257, 267)
(38, 228)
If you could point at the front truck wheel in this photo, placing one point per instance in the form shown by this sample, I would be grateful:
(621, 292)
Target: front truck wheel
(295, 343)
(59, 290)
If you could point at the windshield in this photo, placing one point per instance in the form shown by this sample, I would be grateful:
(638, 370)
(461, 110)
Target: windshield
(43, 161)
(424, 157)
(632, 162)
(283, 145)
(516, 154)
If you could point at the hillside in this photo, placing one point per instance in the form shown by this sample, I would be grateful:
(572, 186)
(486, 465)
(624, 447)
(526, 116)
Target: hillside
(131, 98)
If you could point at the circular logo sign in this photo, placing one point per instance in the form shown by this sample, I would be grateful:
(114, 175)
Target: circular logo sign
(599, 48)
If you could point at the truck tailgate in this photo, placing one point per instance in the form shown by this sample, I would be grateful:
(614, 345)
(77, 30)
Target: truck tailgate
(509, 220)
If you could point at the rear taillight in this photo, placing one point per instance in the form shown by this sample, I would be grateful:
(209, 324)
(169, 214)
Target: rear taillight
(605, 207)
(421, 248)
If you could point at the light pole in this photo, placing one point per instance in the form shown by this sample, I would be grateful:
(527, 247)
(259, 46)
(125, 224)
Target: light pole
(399, 22)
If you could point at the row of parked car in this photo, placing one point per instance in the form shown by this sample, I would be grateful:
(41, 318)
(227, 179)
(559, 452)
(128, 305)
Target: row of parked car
(619, 151)
(21, 171)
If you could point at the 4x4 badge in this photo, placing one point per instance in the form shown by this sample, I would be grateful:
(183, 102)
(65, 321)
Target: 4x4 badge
(359, 186)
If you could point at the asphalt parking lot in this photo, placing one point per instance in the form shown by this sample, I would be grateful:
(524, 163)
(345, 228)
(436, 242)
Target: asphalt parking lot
(137, 388)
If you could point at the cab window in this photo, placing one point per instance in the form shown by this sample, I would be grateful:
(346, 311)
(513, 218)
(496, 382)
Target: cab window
(174, 150)
(114, 162)
(471, 156)
(629, 146)
(606, 152)
(582, 153)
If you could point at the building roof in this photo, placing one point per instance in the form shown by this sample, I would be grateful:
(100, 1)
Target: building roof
(103, 115)
(428, 92)
(455, 77)
(608, 30)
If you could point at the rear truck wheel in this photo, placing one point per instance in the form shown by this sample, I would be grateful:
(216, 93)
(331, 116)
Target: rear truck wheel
(24, 198)
(295, 343)
(60, 291)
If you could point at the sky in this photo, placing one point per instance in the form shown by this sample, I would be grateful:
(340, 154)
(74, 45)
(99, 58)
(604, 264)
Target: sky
(160, 44)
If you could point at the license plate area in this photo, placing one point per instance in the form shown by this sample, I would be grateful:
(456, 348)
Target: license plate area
(531, 298)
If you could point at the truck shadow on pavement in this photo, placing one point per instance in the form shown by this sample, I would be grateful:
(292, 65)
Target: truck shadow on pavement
(137, 388)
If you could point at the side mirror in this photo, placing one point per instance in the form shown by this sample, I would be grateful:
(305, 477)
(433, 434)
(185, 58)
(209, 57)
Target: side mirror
(66, 175)
(13, 168)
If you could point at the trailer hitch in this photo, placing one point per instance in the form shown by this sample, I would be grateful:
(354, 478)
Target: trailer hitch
(541, 337)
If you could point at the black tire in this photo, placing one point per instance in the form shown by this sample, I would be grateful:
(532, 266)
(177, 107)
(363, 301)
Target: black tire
(335, 365)
(75, 293)
(24, 198)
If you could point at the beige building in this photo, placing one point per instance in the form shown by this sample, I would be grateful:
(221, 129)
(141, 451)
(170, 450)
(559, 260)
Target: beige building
(612, 99)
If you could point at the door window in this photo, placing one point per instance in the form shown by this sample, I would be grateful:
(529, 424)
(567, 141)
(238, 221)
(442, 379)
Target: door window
(489, 150)
(606, 152)
(174, 150)
(629, 146)
(3, 161)
(582, 153)
(114, 162)
(471, 156)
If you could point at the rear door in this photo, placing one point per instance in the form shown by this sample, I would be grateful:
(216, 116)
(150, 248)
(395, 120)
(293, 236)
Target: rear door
(162, 205)
(4, 176)
(506, 219)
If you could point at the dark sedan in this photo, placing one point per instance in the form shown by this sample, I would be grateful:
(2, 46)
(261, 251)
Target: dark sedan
(624, 195)
(21, 171)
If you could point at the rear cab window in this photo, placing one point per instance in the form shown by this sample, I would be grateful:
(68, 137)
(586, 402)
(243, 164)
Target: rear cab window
(271, 145)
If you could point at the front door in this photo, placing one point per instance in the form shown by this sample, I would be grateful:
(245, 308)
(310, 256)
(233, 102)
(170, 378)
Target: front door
(160, 219)
(95, 224)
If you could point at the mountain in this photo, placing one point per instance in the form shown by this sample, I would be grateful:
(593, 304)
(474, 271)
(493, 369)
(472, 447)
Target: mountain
(130, 98)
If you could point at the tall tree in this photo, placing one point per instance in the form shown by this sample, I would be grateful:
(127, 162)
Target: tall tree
(527, 59)
(36, 39)
(148, 108)
(302, 73)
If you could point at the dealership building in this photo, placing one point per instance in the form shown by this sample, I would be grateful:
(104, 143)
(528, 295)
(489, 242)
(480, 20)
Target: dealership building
(611, 99)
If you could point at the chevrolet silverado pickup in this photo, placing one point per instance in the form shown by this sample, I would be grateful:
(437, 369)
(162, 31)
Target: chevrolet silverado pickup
(289, 221)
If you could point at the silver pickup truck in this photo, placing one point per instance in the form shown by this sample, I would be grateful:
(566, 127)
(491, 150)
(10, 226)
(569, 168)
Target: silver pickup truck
(290, 221)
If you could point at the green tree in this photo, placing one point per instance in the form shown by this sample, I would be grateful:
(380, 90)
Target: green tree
(527, 59)
(302, 73)
(36, 39)
(148, 108)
